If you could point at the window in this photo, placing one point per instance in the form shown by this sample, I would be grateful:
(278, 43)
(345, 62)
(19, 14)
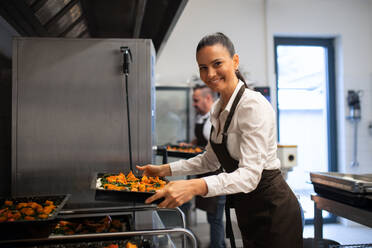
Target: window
(306, 110)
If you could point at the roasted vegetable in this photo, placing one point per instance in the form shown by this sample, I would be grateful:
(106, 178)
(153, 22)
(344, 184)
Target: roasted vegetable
(85, 226)
(120, 182)
(11, 211)
(188, 149)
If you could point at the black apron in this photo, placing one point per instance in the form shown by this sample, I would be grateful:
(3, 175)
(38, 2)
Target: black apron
(207, 204)
(270, 215)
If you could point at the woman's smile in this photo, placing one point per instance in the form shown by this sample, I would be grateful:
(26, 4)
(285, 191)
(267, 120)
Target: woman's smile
(214, 80)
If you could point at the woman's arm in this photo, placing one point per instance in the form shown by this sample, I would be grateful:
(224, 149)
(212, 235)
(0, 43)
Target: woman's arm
(200, 164)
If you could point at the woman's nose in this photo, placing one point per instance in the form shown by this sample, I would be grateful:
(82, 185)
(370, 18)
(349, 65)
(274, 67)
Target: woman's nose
(211, 73)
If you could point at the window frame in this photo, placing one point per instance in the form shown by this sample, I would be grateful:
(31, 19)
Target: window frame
(328, 44)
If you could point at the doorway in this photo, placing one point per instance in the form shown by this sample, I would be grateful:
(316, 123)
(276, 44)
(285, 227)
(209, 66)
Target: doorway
(306, 115)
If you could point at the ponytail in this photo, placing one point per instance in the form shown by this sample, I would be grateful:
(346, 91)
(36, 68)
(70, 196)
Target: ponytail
(240, 77)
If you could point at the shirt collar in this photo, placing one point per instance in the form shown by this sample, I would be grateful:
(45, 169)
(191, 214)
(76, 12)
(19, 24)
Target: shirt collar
(216, 109)
(205, 116)
(201, 118)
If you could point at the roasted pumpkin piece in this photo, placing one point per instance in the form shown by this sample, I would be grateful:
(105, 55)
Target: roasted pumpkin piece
(17, 215)
(145, 179)
(48, 209)
(27, 211)
(112, 246)
(131, 177)
(21, 205)
(29, 218)
(8, 203)
(34, 205)
(130, 245)
(43, 216)
(134, 189)
(47, 202)
(142, 188)
(113, 187)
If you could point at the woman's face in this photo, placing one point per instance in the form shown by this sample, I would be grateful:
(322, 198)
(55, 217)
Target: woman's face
(216, 67)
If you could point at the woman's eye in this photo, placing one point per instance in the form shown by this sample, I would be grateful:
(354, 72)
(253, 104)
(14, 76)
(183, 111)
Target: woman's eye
(217, 63)
(202, 68)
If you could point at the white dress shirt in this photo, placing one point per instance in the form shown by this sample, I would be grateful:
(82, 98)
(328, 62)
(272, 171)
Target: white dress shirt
(251, 140)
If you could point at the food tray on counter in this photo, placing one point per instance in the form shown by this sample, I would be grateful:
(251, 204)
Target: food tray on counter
(19, 227)
(134, 241)
(182, 151)
(93, 224)
(352, 246)
(354, 199)
(359, 184)
(122, 195)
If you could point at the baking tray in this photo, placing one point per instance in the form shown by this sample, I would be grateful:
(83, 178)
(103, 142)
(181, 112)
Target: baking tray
(358, 184)
(140, 242)
(352, 246)
(121, 196)
(347, 197)
(93, 223)
(32, 228)
(181, 154)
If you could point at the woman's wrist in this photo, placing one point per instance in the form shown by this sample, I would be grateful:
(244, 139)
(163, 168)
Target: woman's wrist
(167, 170)
(199, 186)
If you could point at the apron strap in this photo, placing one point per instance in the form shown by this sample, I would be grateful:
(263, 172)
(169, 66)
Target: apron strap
(232, 111)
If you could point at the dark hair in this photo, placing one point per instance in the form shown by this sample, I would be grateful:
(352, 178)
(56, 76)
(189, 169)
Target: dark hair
(199, 86)
(205, 90)
(219, 38)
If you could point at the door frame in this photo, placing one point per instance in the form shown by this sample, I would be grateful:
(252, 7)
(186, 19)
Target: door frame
(328, 44)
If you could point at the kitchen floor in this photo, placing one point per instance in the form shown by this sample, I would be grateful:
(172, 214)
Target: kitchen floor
(343, 234)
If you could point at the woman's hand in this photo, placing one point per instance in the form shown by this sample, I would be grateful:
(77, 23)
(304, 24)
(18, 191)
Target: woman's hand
(178, 192)
(155, 170)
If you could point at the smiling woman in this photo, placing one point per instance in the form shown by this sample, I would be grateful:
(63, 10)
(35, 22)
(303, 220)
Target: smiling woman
(243, 143)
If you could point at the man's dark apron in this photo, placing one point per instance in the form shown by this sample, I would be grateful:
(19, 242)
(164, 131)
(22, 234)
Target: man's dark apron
(200, 139)
(207, 204)
(270, 215)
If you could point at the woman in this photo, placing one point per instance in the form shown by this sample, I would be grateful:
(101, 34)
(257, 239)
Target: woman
(243, 142)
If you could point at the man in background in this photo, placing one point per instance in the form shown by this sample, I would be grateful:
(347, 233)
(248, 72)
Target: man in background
(203, 98)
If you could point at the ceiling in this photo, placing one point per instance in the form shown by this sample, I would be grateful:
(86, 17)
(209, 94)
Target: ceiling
(150, 19)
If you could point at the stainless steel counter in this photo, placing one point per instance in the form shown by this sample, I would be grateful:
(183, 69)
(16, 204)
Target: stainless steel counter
(360, 215)
(147, 223)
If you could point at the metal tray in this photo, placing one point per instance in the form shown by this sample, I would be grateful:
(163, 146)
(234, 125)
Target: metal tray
(140, 242)
(354, 199)
(181, 154)
(359, 184)
(32, 228)
(352, 246)
(87, 224)
(121, 196)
